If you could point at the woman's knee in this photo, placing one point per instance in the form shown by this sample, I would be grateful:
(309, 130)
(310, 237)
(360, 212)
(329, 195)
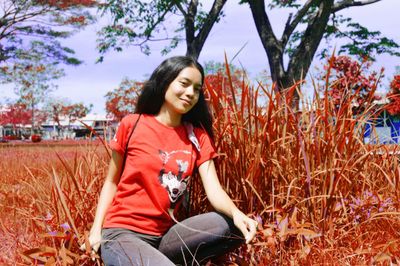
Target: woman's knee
(113, 253)
(201, 236)
(222, 224)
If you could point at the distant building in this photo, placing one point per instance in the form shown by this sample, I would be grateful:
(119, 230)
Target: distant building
(91, 125)
(384, 129)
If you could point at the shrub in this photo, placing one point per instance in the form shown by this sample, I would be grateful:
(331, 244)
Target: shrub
(36, 138)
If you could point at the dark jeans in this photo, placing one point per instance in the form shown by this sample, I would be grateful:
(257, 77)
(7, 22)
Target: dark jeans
(189, 242)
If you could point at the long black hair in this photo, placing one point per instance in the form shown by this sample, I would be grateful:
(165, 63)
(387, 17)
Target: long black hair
(153, 92)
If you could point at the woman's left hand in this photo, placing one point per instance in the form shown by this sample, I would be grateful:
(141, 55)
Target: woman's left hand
(246, 225)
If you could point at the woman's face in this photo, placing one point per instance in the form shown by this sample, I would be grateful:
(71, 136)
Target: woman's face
(183, 92)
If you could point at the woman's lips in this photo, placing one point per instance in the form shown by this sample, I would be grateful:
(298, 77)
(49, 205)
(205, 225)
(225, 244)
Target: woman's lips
(188, 102)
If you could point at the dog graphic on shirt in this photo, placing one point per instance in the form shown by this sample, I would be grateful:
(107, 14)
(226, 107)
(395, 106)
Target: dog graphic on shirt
(174, 184)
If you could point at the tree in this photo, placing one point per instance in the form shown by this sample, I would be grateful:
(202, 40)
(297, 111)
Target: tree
(394, 96)
(59, 108)
(43, 22)
(140, 22)
(32, 81)
(303, 32)
(122, 100)
(213, 67)
(54, 107)
(76, 111)
(14, 114)
(17, 114)
(351, 82)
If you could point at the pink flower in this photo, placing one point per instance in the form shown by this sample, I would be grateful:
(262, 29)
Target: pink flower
(65, 226)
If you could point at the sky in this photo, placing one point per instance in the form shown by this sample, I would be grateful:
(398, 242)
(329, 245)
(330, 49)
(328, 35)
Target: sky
(89, 82)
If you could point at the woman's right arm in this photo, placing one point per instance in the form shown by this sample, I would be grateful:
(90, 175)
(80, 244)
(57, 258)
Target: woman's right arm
(106, 196)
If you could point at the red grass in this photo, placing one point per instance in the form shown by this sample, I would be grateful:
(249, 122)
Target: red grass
(320, 194)
(32, 214)
(324, 197)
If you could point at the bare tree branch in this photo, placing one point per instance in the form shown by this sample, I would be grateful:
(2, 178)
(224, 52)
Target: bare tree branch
(301, 59)
(211, 19)
(272, 45)
(181, 9)
(161, 18)
(290, 27)
(41, 20)
(196, 43)
(349, 3)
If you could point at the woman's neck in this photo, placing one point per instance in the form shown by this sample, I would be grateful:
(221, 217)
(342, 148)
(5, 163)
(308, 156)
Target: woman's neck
(168, 119)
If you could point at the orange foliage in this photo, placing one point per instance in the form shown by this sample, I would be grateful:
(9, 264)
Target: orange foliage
(68, 3)
(352, 80)
(16, 114)
(122, 100)
(81, 20)
(394, 96)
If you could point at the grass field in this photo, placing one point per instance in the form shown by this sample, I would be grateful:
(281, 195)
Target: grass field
(321, 195)
(29, 216)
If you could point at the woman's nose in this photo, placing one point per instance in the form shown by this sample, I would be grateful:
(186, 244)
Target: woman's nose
(190, 91)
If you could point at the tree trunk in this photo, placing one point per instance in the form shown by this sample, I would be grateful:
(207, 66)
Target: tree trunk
(195, 43)
(302, 57)
(271, 44)
(33, 118)
(300, 60)
(192, 50)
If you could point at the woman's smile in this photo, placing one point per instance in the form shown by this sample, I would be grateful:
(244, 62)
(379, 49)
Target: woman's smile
(187, 102)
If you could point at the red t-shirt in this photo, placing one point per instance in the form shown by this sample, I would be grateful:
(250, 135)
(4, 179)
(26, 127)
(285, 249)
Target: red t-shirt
(159, 163)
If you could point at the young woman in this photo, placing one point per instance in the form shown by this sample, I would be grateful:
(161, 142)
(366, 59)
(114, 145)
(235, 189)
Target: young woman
(154, 153)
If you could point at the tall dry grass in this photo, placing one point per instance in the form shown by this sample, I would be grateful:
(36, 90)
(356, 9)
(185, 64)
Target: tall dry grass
(47, 197)
(321, 195)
